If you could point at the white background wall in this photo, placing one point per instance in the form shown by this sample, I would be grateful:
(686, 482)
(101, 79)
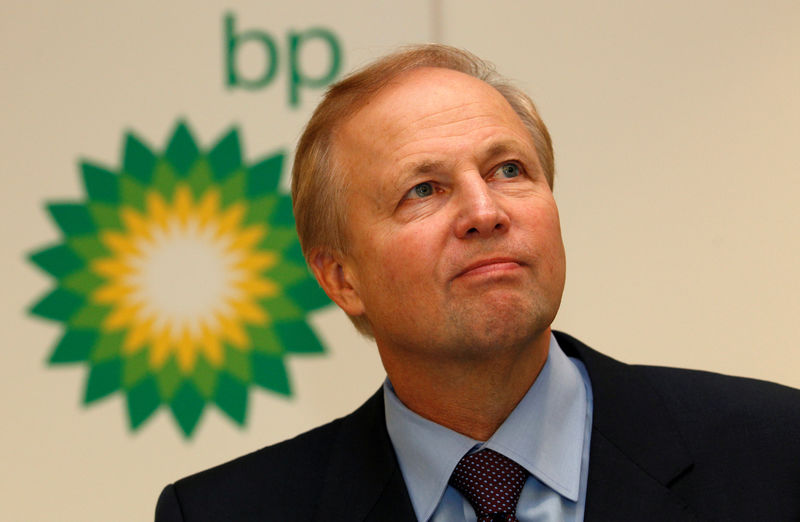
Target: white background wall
(675, 126)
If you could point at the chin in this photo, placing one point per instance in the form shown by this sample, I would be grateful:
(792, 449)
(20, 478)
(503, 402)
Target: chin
(493, 326)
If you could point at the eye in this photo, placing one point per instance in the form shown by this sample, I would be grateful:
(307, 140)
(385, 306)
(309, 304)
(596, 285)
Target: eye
(507, 170)
(422, 190)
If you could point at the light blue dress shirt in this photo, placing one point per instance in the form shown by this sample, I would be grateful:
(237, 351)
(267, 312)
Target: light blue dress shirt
(547, 433)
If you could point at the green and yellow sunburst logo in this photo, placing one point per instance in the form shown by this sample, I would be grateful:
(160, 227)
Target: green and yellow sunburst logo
(180, 280)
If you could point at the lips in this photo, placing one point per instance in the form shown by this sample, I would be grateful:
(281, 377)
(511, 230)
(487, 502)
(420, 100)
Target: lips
(490, 265)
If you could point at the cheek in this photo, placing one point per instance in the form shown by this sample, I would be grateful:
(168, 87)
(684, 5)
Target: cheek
(407, 260)
(404, 260)
(556, 258)
(543, 231)
(552, 226)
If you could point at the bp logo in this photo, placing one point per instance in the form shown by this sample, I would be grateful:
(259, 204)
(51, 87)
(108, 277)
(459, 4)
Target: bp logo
(179, 280)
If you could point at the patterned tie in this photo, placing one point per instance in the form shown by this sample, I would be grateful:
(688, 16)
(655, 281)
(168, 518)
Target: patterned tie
(492, 484)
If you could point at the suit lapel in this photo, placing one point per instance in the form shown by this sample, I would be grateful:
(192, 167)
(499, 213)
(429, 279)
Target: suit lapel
(618, 489)
(363, 480)
(636, 453)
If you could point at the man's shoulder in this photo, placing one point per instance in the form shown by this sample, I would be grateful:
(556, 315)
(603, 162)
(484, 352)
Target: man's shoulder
(306, 450)
(267, 481)
(707, 407)
(712, 386)
(692, 390)
(724, 404)
(254, 485)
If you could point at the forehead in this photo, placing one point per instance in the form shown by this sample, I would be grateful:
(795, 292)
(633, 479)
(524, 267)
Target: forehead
(427, 102)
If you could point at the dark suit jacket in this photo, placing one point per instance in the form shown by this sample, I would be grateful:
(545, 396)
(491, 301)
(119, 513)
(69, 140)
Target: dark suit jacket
(667, 445)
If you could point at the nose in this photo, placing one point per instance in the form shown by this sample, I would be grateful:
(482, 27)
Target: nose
(479, 212)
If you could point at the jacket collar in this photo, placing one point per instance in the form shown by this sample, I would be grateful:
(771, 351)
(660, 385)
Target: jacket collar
(636, 450)
(363, 480)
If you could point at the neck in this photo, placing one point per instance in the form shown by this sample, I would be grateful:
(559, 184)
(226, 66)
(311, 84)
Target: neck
(472, 396)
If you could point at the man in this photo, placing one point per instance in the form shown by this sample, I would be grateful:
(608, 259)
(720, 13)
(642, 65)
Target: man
(422, 192)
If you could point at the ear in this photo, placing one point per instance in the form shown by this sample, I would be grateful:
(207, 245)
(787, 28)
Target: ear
(336, 281)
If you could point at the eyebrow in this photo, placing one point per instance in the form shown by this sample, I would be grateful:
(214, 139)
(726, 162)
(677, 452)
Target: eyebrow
(499, 148)
(425, 167)
(505, 147)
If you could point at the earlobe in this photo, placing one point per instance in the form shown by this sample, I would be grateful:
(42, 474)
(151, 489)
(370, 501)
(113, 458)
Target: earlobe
(336, 281)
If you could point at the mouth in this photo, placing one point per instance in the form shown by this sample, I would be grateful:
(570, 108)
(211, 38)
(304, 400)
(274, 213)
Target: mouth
(489, 266)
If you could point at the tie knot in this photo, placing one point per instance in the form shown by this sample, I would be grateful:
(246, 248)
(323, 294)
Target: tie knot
(491, 482)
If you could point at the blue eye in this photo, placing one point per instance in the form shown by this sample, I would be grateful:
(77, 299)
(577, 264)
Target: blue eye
(422, 190)
(508, 170)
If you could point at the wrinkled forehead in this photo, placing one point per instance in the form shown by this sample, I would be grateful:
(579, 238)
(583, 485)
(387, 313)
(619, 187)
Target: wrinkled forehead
(418, 104)
(426, 95)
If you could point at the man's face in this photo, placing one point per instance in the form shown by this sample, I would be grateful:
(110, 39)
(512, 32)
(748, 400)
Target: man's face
(454, 238)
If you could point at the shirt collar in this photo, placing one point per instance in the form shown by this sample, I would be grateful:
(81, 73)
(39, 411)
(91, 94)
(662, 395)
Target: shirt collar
(544, 434)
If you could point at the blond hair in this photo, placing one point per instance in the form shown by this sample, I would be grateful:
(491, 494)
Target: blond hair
(319, 188)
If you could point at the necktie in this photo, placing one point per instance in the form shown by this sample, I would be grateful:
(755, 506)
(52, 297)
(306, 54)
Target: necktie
(492, 484)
